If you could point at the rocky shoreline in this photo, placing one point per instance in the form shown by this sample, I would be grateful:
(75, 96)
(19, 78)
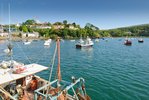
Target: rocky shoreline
(20, 39)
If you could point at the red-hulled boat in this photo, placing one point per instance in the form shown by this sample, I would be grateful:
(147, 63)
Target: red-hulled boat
(128, 42)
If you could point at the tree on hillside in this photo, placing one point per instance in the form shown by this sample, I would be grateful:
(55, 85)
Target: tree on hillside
(23, 28)
(29, 22)
(91, 26)
(57, 23)
(74, 24)
(30, 30)
(105, 34)
(49, 24)
(65, 22)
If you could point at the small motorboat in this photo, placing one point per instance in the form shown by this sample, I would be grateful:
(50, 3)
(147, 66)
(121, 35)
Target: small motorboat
(47, 42)
(72, 40)
(96, 40)
(27, 42)
(87, 43)
(127, 42)
(141, 40)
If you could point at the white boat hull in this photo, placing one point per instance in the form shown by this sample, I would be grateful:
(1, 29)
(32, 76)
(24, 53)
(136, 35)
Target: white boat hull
(26, 43)
(47, 42)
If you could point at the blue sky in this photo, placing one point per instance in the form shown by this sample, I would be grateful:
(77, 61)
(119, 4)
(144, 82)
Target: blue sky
(105, 14)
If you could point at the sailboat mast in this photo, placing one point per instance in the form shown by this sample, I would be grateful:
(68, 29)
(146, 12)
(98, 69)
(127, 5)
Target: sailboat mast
(58, 67)
(9, 23)
(1, 17)
(9, 36)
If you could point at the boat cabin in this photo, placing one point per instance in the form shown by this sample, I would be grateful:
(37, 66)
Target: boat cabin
(17, 86)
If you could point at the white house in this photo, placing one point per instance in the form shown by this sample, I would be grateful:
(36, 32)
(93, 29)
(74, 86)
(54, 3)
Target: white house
(18, 24)
(72, 27)
(32, 35)
(43, 27)
(1, 28)
(58, 26)
(4, 34)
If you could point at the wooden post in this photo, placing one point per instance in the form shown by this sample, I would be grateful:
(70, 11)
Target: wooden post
(58, 67)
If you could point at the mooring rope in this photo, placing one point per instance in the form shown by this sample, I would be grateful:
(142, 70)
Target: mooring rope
(52, 62)
(40, 52)
(24, 53)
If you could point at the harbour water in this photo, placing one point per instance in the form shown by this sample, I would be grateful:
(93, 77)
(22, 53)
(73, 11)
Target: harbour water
(112, 71)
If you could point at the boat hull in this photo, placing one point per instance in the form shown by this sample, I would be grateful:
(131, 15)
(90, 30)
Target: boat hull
(82, 46)
(128, 44)
(27, 43)
(140, 41)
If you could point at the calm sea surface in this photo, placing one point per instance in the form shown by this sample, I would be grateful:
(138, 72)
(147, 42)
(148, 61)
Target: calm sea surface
(112, 71)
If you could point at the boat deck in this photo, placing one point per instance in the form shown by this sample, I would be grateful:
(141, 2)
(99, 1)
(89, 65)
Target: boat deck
(7, 76)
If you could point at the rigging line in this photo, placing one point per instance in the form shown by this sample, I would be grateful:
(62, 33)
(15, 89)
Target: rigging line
(24, 53)
(53, 61)
(41, 57)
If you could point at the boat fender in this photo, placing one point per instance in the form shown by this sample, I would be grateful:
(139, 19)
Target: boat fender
(83, 87)
(73, 79)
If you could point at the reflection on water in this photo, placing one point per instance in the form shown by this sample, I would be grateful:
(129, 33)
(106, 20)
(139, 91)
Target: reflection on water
(47, 46)
(87, 49)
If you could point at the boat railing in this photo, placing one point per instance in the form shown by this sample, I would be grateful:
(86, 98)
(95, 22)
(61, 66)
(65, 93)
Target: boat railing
(64, 87)
(7, 93)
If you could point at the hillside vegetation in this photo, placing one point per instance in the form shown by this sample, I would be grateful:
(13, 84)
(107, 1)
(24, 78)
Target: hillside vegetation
(72, 30)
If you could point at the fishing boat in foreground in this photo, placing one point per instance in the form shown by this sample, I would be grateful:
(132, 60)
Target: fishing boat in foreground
(19, 82)
(87, 43)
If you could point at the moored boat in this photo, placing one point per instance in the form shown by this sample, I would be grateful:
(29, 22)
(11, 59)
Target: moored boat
(27, 42)
(140, 40)
(96, 40)
(87, 43)
(128, 42)
(47, 42)
(72, 40)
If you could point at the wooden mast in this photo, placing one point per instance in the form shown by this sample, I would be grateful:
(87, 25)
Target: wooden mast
(58, 67)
